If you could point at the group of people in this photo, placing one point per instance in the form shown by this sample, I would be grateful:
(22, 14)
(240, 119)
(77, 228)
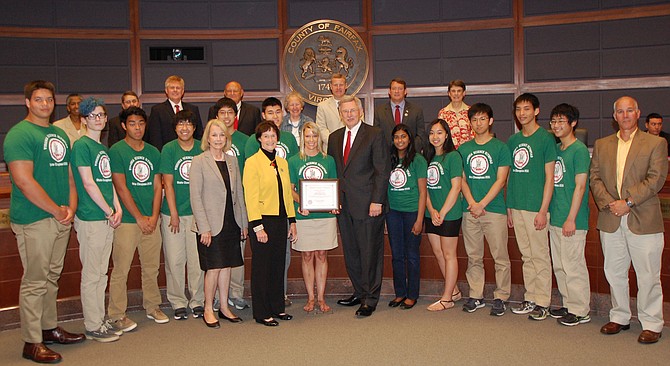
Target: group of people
(212, 187)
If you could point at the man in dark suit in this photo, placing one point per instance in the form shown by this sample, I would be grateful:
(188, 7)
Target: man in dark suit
(399, 110)
(113, 131)
(160, 129)
(628, 169)
(248, 116)
(363, 165)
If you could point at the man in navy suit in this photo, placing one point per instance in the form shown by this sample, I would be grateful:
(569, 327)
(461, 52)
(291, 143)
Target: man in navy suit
(363, 165)
(248, 116)
(160, 130)
(399, 110)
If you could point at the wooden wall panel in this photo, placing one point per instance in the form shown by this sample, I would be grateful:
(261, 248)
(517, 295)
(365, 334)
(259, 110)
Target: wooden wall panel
(300, 12)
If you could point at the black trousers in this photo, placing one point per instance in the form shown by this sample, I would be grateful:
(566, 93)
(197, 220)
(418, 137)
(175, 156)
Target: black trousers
(363, 247)
(267, 268)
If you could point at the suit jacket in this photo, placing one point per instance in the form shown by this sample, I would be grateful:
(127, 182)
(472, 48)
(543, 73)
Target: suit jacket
(115, 131)
(159, 127)
(260, 187)
(412, 117)
(249, 118)
(208, 193)
(363, 179)
(328, 119)
(643, 177)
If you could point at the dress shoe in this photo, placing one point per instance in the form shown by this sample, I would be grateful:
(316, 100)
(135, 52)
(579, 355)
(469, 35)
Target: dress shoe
(268, 323)
(394, 304)
(236, 319)
(60, 335)
(365, 310)
(613, 328)
(211, 325)
(349, 301)
(406, 306)
(648, 336)
(40, 353)
(284, 316)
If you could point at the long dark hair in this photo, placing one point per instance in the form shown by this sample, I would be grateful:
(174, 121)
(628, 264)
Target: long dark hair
(447, 146)
(409, 154)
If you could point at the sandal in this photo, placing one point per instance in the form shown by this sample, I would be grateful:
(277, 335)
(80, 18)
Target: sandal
(457, 296)
(323, 307)
(309, 306)
(441, 305)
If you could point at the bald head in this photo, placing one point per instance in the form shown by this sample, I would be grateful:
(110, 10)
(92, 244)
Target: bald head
(626, 99)
(234, 91)
(626, 114)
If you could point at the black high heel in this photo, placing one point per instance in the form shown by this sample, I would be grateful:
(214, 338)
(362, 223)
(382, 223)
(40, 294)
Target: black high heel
(232, 320)
(268, 323)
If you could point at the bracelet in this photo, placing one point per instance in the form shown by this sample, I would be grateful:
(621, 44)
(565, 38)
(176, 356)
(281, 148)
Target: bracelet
(111, 213)
(259, 228)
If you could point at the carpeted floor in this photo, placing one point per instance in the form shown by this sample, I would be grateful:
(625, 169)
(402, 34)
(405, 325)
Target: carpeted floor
(388, 337)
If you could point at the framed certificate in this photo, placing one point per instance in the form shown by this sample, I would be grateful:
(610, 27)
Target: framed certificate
(321, 195)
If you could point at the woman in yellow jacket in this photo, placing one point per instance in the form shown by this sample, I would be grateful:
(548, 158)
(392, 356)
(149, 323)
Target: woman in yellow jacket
(267, 193)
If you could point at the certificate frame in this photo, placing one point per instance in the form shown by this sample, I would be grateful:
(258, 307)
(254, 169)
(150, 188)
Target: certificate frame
(319, 195)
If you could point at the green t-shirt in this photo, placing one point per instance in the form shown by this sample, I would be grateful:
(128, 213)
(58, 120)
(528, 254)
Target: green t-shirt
(403, 188)
(314, 167)
(481, 163)
(237, 146)
(177, 163)
(441, 170)
(286, 146)
(139, 167)
(526, 178)
(89, 153)
(49, 150)
(571, 161)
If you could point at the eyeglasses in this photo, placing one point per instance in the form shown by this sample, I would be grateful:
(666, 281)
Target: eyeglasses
(184, 124)
(558, 121)
(93, 116)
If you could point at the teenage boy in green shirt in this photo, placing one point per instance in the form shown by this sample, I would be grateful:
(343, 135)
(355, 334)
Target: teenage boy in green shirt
(486, 163)
(529, 190)
(569, 218)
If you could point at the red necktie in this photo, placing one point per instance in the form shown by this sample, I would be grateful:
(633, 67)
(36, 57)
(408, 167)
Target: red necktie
(176, 107)
(235, 123)
(347, 147)
(397, 114)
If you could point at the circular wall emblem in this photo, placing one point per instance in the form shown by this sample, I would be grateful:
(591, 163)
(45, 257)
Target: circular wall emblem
(479, 165)
(521, 158)
(433, 175)
(312, 172)
(558, 171)
(317, 51)
(56, 149)
(184, 169)
(104, 167)
(398, 178)
(141, 171)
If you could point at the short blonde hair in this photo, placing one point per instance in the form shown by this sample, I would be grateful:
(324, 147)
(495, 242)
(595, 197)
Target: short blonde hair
(293, 94)
(174, 79)
(314, 127)
(204, 144)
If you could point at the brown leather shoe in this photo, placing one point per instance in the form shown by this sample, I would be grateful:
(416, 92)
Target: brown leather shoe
(613, 328)
(647, 337)
(59, 335)
(40, 353)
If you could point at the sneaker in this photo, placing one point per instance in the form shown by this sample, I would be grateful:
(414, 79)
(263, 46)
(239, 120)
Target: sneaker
(473, 304)
(238, 302)
(111, 328)
(102, 335)
(524, 308)
(498, 307)
(198, 312)
(216, 306)
(572, 319)
(287, 301)
(124, 324)
(539, 313)
(558, 313)
(158, 316)
(181, 314)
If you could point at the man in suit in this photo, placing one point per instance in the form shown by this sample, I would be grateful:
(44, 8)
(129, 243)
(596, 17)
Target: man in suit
(628, 169)
(399, 110)
(654, 125)
(363, 165)
(159, 128)
(113, 131)
(327, 114)
(248, 116)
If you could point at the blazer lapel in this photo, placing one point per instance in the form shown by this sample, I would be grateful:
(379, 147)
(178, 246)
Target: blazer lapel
(635, 146)
(213, 166)
(358, 141)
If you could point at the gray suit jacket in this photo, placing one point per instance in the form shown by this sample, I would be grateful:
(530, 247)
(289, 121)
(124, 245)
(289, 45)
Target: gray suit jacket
(643, 177)
(328, 119)
(208, 193)
(412, 117)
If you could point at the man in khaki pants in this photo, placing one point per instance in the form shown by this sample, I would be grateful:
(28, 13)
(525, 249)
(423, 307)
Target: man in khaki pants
(42, 206)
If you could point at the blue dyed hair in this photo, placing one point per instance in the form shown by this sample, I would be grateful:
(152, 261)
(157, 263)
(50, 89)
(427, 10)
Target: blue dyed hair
(88, 105)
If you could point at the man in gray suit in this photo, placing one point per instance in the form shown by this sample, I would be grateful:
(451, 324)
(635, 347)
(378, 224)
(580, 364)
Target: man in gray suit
(327, 114)
(400, 110)
(628, 169)
(363, 165)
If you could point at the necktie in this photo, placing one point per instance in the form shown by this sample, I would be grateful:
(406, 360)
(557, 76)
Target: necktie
(347, 147)
(176, 108)
(397, 114)
(235, 123)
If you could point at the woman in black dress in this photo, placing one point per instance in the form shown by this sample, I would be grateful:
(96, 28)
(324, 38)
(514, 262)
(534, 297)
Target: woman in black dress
(220, 216)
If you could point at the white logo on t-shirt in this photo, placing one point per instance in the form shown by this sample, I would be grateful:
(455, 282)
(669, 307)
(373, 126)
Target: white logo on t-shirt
(281, 151)
(56, 149)
(398, 178)
(521, 157)
(312, 172)
(141, 171)
(433, 175)
(185, 169)
(558, 171)
(479, 164)
(103, 166)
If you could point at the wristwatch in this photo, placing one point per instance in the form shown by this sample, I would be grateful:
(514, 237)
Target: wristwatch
(629, 203)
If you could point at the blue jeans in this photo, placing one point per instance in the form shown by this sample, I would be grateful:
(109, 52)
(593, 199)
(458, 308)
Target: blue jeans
(405, 253)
